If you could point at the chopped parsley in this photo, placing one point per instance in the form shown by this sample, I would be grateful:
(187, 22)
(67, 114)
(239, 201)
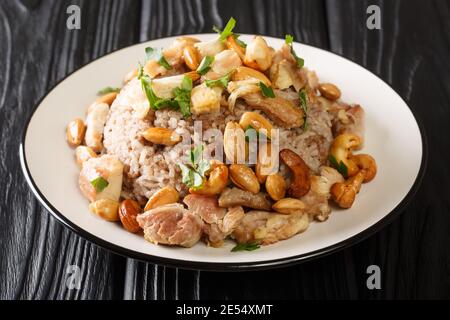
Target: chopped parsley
(341, 167)
(223, 81)
(266, 91)
(304, 105)
(183, 96)
(251, 246)
(156, 54)
(107, 90)
(194, 174)
(227, 31)
(205, 65)
(99, 184)
(289, 40)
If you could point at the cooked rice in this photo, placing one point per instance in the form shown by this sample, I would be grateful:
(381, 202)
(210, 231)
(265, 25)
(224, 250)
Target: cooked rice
(149, 168)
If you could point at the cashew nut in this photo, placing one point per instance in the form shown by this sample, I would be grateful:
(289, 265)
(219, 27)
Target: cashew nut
(257, 122)
(266, 164)
(367, 164)
(341, 150)
(245, 73)
(216, 182)
(301, 180)
(75, 132)
(344, 193)
(232, 45)
(244, 177)
(166, 195)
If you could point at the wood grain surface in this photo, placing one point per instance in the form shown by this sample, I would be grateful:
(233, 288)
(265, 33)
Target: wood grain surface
(411, 52)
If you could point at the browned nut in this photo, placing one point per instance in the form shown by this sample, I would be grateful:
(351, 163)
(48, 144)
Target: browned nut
(344, 193)
(75, 132)
(301, 182)
(193, 75)
(191, 57)
(216, 182)
(256, 121)
(368, 164)
(166, 195)
(106, 209)
(83, 154)
(244, 177)
(232, 45)
(245, 73)
(130, 75)
(234, 144)
(276, 186)
(107, 98)
(288, 206)
(341, 150)
(163, 136)
(128, 211)
(266, 163)
(329, 91)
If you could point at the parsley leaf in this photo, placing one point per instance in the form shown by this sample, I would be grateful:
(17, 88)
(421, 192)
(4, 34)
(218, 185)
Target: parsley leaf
(194, 175)
(156, 54)
(289, 41)
(205, 65)
(223, 81)
(99, 184)
(107, 90)
(266, 91)
(183, 96)
(227, 31)
(246, 247)
(155, 102)
(341, 167)
(304, 105)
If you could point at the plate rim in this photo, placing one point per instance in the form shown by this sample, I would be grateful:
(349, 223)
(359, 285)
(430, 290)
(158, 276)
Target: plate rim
(221, 266)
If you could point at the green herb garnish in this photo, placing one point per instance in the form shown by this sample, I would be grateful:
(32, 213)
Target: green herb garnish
(107, 90)
(304, 104)
(156, 54)
(239, 42)
(227, 31)
(155, 102)
(289, 41)
(341, 167)
(205, 65)
(266, 91)
(99, 184)
(246, 247)
(223, 81)
(194, 174)
(183, 96)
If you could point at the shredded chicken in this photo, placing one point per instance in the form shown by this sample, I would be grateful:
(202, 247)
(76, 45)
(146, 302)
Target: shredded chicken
(218, 223)
(269, 227)
(238, 197)
(281, 111)
(171, 224)
(349, 120)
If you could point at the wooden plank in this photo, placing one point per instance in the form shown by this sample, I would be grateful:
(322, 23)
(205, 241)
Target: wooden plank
(410, 52)
(37, 51)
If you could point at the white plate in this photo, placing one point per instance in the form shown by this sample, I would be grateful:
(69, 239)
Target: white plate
(393, 138)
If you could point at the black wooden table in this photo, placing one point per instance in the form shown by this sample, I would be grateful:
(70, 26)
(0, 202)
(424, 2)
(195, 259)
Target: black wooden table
(411, 52)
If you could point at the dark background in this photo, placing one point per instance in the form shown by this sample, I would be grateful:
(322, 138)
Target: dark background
(411, 52)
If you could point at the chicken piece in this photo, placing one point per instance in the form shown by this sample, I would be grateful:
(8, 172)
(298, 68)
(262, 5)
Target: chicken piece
(210, 48)
(285, 72)
(258, 54)
(237, 197)
(281, 111)
(349, 120)
(171, 224)
(107, 169)
(224, 62)
(316, 200)
(205, 99)
(95, 123)
(218, 223)
(163, 87)
(269, 227)
(174, 53)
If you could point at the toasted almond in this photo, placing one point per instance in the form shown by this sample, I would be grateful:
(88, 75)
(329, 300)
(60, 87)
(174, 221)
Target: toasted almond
(128, 211)
(75, 132)
(191, 57)
(288, 206)
(244, 177)
(276, 186)
(162, 136)
(329, 91)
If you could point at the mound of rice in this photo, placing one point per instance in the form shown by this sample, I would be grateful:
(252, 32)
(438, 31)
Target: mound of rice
(150, 167)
